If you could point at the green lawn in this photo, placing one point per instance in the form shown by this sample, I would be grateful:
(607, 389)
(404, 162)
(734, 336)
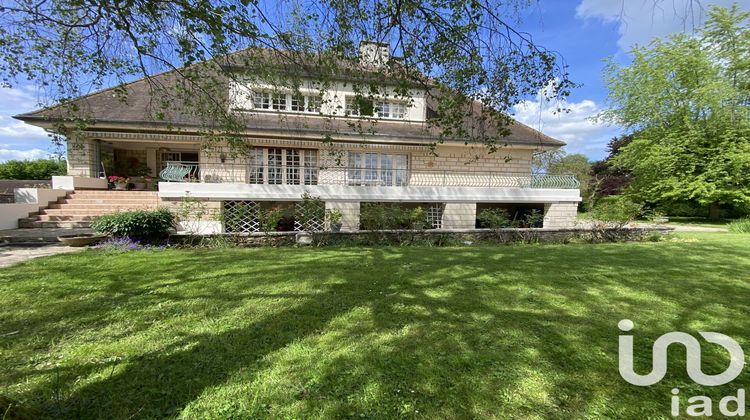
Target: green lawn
(512, 331)
(698, 221)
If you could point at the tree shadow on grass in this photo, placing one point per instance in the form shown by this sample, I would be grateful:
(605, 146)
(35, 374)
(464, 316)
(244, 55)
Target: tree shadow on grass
(450, 332)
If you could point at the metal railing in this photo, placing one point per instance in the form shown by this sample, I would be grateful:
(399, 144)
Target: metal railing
(182, 171)
(339, 175)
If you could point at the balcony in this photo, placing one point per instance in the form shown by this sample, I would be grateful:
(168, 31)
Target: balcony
(225, 173)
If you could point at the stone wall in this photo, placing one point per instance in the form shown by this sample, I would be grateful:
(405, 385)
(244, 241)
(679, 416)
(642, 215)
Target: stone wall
(560, 215)
(81, 159)
(349, 213)
(474, 159)
(441, 237)
(459, 216)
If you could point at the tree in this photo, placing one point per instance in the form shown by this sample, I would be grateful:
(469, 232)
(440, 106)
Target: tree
(687, 102)
(606, 177)
(463, 53)
(560, 163)
(32, 169)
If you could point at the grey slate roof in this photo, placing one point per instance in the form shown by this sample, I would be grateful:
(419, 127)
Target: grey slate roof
(137, 114)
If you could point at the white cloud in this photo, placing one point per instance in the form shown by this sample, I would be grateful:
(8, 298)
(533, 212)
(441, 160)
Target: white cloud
(32, 154)
(575, 127)
(19, 140)
(640, 21)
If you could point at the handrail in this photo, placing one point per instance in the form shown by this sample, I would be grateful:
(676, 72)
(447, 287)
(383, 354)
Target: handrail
(352, 176)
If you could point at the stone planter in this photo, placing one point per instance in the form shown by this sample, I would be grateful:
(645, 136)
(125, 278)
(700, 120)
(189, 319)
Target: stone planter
(303, 238)
(139, 186)
(80, 240)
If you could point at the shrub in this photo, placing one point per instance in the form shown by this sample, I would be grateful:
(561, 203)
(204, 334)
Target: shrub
(269, 219)
(383, 216)
(532, 219)
(616, 210)
(494, 218)
(142, 224)
(32, 169)
(739, 226)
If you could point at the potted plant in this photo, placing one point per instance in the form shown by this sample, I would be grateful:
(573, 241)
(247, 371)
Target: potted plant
(149, 180)
(334, 220)
(120, 182)
(138, 176)
(139, 183)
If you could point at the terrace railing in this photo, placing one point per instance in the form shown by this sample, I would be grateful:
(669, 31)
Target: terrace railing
(337, 175)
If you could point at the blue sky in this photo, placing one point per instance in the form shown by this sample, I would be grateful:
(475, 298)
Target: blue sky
(584, 32)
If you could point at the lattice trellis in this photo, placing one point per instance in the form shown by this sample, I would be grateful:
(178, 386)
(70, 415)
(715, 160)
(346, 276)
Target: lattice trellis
(309, 216)
(434, 215)
(241, 217)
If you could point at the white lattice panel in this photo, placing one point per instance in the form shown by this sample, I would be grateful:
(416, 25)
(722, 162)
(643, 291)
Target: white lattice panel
(309, 216)
(241, 216)
(434, 215)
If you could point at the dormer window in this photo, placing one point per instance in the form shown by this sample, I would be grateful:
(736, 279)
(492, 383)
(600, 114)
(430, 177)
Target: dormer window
(358, 106)
(286, 102)
(261, 100)
(390, 109)
(278, 102)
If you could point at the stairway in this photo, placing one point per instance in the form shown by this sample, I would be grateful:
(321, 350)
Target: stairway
(78, 208)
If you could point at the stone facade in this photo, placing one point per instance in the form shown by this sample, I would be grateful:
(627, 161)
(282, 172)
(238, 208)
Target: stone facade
(468, 165)
(459, 216)
(349, 214)
(474, 159)
(560, 215)
(82, 158)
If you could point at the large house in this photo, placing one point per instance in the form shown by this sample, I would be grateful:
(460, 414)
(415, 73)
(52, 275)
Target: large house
(305, 142)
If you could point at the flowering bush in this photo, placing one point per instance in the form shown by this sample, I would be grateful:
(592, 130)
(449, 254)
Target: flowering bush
(116, 179)
(124, 244)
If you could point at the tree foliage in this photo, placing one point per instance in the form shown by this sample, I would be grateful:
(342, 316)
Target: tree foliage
(41, 169)
(687, 101)
(560, 163)
(463, 53)
(607, 178)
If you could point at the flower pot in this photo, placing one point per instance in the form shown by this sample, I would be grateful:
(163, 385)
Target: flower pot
(139, 186)
(121, 187)
(336, 227)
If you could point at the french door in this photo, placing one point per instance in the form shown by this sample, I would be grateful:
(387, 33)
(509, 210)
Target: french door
(277, 166)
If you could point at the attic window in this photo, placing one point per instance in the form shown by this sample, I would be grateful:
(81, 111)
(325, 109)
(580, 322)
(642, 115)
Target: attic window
(261, 100)
(390, 109)
(358, 106)
(286, 102)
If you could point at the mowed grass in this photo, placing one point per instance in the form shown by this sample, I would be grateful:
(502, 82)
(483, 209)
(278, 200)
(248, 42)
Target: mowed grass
(506, 332)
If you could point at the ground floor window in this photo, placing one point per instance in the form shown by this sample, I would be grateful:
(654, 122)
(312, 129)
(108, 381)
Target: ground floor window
(381, 169)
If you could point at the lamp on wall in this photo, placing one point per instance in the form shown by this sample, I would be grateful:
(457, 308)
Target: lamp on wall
(222, 157)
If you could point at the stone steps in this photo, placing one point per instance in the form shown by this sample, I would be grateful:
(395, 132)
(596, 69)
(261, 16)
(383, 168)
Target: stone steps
(79, 208)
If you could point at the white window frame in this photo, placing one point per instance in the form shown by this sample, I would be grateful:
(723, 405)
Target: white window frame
(290, 166)
(284, 102)
(382, 169)
(386, 109)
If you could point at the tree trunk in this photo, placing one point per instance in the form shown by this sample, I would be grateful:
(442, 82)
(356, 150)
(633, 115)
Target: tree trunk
(713, 211)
